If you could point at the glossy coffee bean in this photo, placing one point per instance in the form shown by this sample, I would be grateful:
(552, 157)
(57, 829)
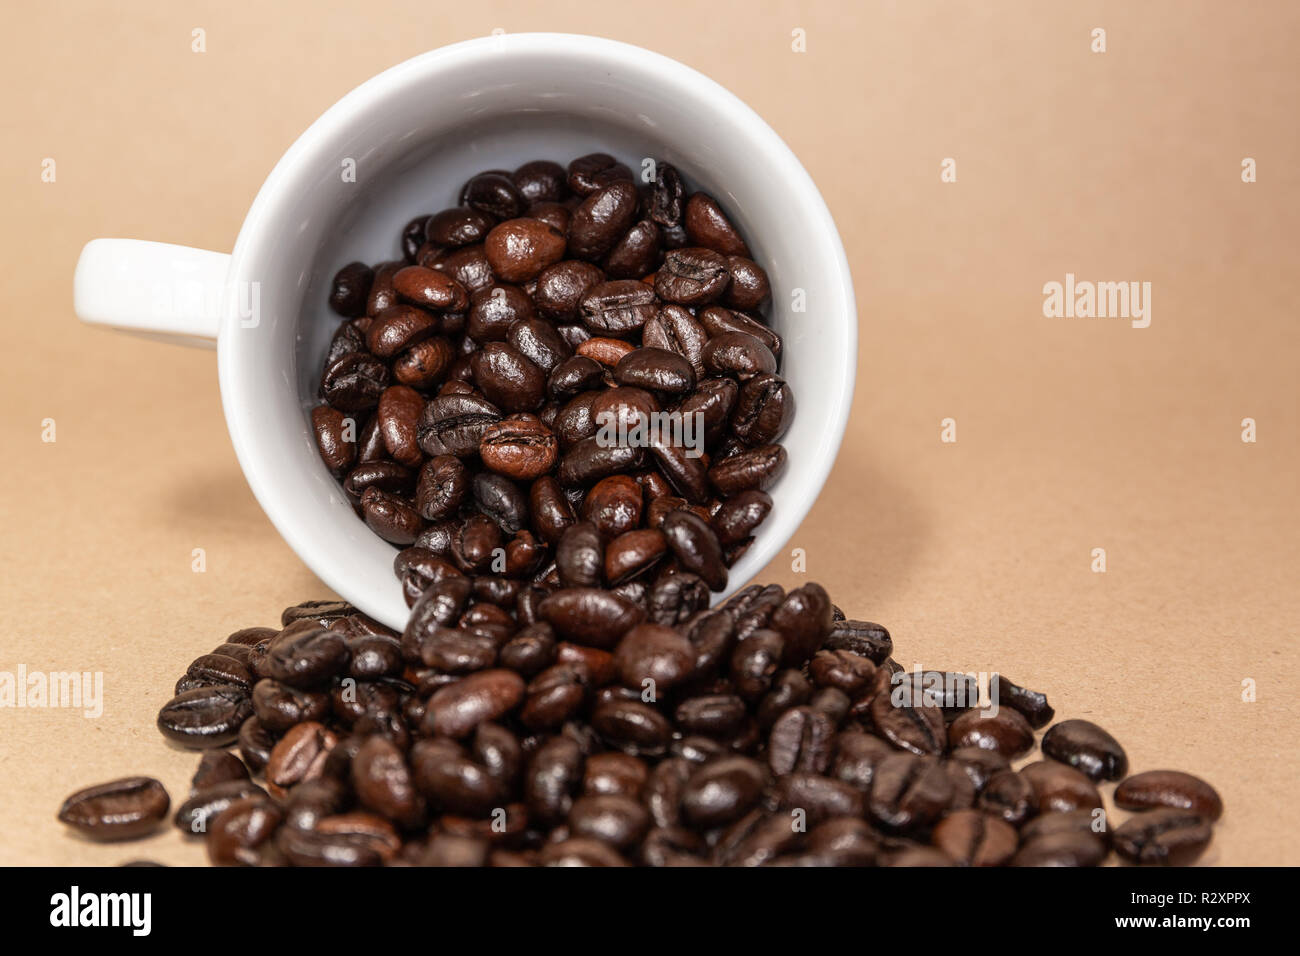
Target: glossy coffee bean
(350, 288)
(519, 447)
(205, 716)
(1060, 789)
(1166, 837)
(493, 193)
(975, 839)
(692, 277)
(125, 809)
(237, 835)
(1006, 732)
(1086, 747)
(520, 249)
(587, 174)
(708, 226)
(601, 220)
(1169, 788)
(196, 815)
(460, 226)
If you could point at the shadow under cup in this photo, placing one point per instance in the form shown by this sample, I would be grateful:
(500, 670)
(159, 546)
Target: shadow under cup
(415, 134)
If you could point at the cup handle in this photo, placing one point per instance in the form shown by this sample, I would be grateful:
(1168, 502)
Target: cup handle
(154, 289)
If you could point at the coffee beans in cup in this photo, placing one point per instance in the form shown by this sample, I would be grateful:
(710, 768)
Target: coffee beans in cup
(567, 377)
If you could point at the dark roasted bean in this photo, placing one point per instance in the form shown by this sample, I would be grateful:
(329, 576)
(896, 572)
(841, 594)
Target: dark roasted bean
(125, 809)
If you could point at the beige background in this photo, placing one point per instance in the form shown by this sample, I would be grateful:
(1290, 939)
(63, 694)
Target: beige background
(1073, 434)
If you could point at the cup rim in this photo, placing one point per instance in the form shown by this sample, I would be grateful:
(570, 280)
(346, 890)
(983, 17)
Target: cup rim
(260, 470)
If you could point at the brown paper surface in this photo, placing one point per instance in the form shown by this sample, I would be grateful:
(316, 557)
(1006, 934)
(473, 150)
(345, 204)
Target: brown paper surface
(1072, 434)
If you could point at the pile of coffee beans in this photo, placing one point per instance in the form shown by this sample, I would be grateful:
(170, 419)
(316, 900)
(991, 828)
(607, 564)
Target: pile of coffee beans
(575, 725)
(466, 389)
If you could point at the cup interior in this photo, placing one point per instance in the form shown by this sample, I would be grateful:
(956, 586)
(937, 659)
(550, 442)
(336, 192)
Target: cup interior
(415, 134)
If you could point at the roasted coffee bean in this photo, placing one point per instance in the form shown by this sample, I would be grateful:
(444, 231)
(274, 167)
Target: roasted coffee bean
(718, 320)
(631, 726)
(460, 226)
(1064, 848)
(1005, 731)
(802, 739)
(350, 288)
(386, 475)
(334, 438)
(539, 342)
(519, 447)
(757, 468)
(590, 616)
(906, 724)
(637, 253)
(400, 408)
(737, 354)
(857, 754)
(508, 380)
(431, 289)
(696, 547)
(749, 287)
(470, 267)
(978, 764)
(587, 174)
(654, 656)
(1008, 796)
(861, 637)
(308, 657)
(217, 766)
(456, 710)
(804, 619)
(908, 792)
(1032, 705)
(1086, 747)
(454, 425)
(391, 517)
(279, 707)
(562, 287)
(675, 598)
(238, 834)
(708, 226)
(205, 716)
(1060, 789)
(722, 791)
(541, 181)
(125, 809)
(197, 814)
(1169, 788)
(354, 383)
(692, 277)
(1167, 837)
(633, 553)
(399, 328)
(601, 220)
(617, 308)
(493, 193)
(519, 249)
(657, 370)
(764, 409)
(383, 783)
(975, 839)
(413, 237)
(220, 669)
(299, 755)
(603, 350)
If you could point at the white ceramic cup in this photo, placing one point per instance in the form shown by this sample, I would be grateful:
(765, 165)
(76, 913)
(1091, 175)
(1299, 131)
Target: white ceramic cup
(413, 135)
